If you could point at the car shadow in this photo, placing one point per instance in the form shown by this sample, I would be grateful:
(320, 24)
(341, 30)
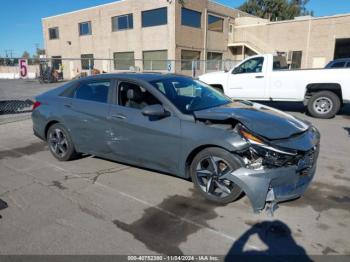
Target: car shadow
(143, 168)
(276, 235)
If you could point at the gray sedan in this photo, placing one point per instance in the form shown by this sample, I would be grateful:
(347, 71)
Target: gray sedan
(181, 126)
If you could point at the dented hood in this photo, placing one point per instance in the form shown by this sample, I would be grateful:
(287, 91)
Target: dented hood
(260, 119)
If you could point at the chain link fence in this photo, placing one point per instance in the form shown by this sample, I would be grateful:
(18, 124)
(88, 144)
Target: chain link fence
(71, 68)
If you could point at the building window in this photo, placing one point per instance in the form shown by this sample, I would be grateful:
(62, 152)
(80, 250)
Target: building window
(54, 33)
(155, 60)
(231, 29)
(187, 57)
(56, 62)
(214, 61)
(87, 61)
(123, 22)
(215, 23)
(191, 18)
(155, 17)
(296, 59)
(123, 60)
(85, 28)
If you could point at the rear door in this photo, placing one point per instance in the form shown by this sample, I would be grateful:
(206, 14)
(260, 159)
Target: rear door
(87, 115)
(141, 140)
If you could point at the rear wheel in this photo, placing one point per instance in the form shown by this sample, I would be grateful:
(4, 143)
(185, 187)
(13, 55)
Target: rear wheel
(60, 143)
(208, 172)
(325, 104)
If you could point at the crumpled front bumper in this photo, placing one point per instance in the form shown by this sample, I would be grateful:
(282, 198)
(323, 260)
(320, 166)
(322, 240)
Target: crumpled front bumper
(273, 185)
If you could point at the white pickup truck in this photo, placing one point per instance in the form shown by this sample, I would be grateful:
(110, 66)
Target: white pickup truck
(266, 78)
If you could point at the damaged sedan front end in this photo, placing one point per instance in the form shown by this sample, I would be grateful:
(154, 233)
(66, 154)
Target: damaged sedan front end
(274, 169)
(274, 174)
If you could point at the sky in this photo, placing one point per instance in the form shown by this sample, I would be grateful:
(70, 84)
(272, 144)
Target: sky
(20, 20)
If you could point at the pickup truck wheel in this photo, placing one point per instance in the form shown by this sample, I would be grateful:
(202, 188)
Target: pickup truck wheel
(208, 170)
(324, 105)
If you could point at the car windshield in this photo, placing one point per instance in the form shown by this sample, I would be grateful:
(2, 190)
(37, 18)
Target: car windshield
(190, 95)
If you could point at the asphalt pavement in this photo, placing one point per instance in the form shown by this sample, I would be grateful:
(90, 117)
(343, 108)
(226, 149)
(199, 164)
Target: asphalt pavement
(94, 206)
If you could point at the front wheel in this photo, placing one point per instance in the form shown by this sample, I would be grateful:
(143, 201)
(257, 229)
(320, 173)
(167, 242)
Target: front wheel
(325, 104)
(209, 170)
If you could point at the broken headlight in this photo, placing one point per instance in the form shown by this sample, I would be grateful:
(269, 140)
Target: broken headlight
(262, 154)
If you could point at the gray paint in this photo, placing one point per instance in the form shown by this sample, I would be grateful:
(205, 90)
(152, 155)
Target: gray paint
(265, 121)
(125, 134)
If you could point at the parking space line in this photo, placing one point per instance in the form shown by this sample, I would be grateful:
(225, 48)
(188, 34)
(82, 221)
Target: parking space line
(126, 195)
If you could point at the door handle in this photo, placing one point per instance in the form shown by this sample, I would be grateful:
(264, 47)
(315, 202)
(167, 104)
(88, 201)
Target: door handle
(68, 105)
(122, 117)
(259, 77)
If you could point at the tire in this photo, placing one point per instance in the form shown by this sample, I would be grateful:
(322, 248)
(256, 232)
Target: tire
(324, 104)
(222, 158)
(59, 135)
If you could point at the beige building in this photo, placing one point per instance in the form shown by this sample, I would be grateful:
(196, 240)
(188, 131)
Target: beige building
(308, 42)
(142, 33)
(164, 35)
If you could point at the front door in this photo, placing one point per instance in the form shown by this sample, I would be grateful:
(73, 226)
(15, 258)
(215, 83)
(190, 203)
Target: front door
(141, 140)
(248, 81)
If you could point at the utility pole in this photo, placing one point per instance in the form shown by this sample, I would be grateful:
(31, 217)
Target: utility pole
(9, 52)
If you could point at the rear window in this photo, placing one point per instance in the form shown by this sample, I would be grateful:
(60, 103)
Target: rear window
(339, 64)
(95, 91)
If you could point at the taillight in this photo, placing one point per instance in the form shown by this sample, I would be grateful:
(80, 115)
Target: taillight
(36, 105)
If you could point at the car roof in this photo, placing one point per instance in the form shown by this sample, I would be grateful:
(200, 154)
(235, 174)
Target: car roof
(341, 60)
(148, 77)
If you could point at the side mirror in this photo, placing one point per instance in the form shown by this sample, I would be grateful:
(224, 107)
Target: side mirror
(155, 111)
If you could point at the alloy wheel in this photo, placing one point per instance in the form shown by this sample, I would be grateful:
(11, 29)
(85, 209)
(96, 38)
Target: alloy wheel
(212, 174)
(58, 142)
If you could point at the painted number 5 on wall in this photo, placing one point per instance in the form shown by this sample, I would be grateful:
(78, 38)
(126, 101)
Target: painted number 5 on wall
(23, 68)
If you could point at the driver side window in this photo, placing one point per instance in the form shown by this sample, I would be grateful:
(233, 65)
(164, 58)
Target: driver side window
(135, 96)
(254, 65)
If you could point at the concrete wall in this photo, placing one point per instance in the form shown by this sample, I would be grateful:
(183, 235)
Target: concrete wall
(12, 72)
(103, 42)
(202, 39)
(315, 37)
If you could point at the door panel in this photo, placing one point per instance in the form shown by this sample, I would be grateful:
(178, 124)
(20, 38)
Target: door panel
(143, 141)
(90, 126)
(285, 85)
(248, 80)
(86, 113)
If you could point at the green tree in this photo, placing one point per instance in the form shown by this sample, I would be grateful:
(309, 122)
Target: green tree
(276, 9)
